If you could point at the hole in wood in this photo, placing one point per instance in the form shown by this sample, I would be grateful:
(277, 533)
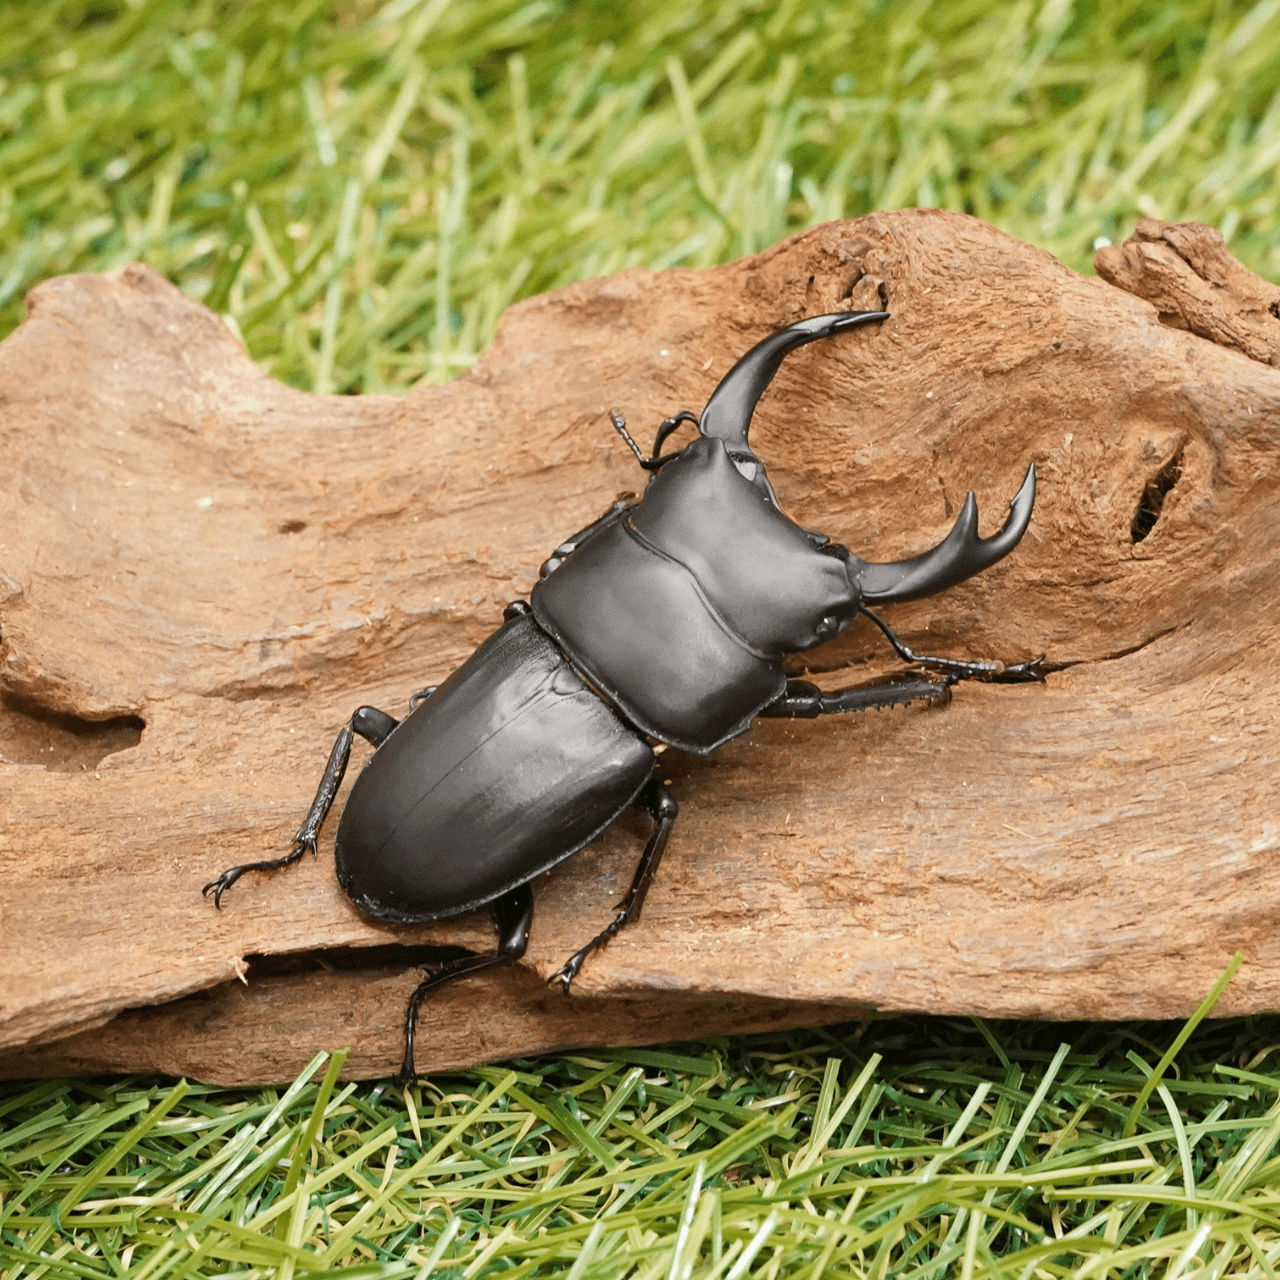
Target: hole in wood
(1153, 496)
(291, 526)
(57, 741)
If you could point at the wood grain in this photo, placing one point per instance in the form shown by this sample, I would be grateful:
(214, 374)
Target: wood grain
(210, 571)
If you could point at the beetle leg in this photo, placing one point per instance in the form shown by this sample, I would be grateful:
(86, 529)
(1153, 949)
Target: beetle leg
(515, 914)
(373, 726)
(667, 427)
(653, 462)
(995, 672)
(803, 700)
(570, 545)
(662, 808)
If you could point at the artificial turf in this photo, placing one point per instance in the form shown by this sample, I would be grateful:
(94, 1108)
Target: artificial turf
(360, 189)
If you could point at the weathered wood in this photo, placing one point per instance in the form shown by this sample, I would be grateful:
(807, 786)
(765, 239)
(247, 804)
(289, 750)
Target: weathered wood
(1184, 270)
(234, 1034)
(238, 565)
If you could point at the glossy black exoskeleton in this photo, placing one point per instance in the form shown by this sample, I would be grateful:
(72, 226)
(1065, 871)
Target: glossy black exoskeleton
(664, 621)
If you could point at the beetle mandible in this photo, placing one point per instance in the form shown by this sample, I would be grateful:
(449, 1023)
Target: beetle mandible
(665, 621)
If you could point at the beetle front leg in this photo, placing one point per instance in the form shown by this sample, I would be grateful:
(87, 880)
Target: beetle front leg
(653, 462)
(993, 672)
(515, 914)
(570, 545)
(806, 701)
(374, 727)
(661, 806)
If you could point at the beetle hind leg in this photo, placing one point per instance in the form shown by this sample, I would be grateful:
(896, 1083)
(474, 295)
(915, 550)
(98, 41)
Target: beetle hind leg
(374, 727)
(515, 914)
(661, 806)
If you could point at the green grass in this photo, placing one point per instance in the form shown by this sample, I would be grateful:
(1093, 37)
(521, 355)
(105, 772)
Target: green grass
(363, 195)
(926, 1149)
(361, 189)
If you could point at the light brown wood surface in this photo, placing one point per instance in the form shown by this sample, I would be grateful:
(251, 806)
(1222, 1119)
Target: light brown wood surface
(202, 573)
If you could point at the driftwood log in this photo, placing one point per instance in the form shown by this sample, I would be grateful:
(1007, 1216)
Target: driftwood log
(203, 572)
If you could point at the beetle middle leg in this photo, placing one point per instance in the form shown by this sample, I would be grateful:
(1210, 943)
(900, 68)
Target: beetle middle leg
(374, 727)
(661, 806)
(994, 672)
(514, 911)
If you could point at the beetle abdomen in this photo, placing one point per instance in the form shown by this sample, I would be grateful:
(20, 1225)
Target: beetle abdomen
(509, 767)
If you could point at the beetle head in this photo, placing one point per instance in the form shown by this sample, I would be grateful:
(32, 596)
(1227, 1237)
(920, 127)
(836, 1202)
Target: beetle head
(727, 417)
(960, 555)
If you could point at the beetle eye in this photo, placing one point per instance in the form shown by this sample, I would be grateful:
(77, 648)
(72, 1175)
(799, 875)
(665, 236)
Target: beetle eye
(748, 468)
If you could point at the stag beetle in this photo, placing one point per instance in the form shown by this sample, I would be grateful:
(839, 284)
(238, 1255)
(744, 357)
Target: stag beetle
(665, 621)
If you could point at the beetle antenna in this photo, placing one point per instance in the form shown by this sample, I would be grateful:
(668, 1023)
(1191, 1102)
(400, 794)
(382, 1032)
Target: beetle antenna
(620, 426)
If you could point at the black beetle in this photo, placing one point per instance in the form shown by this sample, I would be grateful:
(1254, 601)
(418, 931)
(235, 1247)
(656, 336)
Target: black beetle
(664, 621)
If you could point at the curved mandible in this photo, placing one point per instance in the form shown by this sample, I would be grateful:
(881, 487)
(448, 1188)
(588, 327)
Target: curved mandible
(959, 555)
(728, 413)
